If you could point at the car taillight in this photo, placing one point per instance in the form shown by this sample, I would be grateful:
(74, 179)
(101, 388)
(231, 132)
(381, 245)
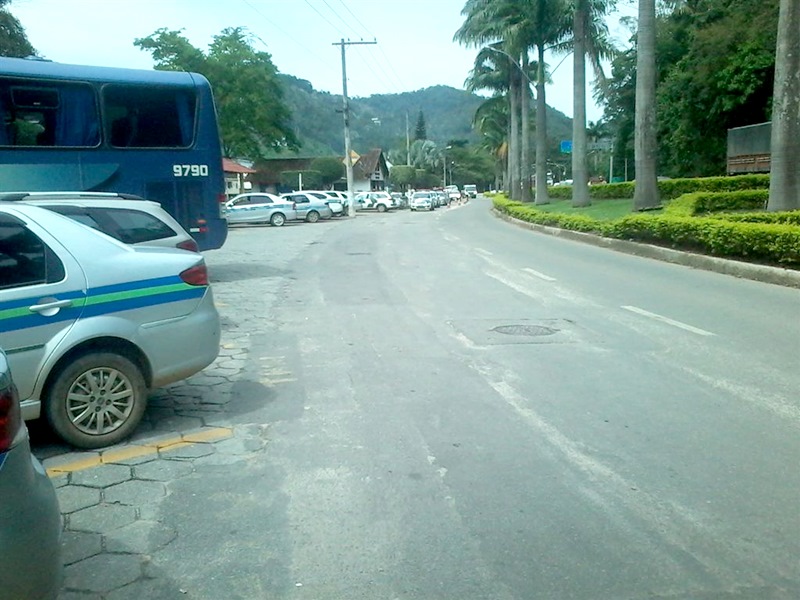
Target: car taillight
(196, 275)
(202, 225)
(294, 205)
(189, 245)
(10, 417)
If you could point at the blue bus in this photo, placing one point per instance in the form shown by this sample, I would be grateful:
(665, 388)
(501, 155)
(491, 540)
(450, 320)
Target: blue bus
(149, 133)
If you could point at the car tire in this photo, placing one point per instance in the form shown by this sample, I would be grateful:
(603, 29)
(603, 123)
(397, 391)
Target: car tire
(70, 398)
(277, 220)
(312, 217)
(381, 208)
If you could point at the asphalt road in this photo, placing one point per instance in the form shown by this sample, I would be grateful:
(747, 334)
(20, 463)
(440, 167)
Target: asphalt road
(442, 405)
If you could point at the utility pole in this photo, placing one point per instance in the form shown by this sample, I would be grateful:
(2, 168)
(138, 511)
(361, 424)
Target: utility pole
(348, 159)
(408, 143)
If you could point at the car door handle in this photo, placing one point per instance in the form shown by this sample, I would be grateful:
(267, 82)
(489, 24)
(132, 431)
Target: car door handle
(50, 305)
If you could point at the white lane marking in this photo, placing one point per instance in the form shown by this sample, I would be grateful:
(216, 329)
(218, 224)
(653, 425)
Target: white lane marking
(517, 287)
(538, 274)
(668, 321)
(451, 238)
(610, 490)
(483, 253)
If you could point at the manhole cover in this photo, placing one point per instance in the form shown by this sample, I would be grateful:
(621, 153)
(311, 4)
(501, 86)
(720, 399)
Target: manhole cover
(529, 330)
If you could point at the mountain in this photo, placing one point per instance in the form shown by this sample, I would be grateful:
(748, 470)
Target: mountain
(381, 120)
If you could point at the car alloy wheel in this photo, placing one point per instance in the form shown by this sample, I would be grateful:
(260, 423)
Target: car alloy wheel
(312, 217)
(97, 400)
(277, 220)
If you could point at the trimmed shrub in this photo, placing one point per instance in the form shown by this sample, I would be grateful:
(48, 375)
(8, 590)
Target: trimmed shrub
(786, 218)
(669, 189)
(707, 202)
(763, 241)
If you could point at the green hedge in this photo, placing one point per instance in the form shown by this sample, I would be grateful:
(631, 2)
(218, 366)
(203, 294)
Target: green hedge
(786, 218)
(669, 189)
(776, 243)
(697, 203)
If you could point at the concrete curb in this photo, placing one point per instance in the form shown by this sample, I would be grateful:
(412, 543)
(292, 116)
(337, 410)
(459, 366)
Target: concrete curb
(743, 270)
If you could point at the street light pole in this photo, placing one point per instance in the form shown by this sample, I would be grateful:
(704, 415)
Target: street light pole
(444, 165)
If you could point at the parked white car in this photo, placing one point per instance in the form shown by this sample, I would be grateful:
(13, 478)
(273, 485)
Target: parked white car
(259, 207)
(380, 201)
(91, 324)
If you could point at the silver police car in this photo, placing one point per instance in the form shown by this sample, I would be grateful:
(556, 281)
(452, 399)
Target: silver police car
(91, 324)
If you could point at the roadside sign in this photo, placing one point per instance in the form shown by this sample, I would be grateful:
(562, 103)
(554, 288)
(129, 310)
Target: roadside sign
(566, 146)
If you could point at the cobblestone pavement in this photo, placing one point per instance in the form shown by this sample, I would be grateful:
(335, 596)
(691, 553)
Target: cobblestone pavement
(110, 499)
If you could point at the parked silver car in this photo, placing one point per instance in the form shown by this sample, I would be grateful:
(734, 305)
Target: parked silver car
(309, 206)
(259, 207)
(421, 201)
(127, 218)
(30, 520)
(90, 324)
(331, 198)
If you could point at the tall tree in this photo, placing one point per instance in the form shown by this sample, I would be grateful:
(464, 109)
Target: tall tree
(491, 121)
(784, 185)
(590, 39)
(253, 117)
(13, 41)
(646, 190)
(420, 131)
(519, 25)
(493, 71)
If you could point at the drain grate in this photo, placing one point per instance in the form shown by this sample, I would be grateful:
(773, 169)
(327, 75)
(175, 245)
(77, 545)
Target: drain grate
(528, 330)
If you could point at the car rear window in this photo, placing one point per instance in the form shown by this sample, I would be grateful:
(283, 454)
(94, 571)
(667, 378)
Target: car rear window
(126, 225)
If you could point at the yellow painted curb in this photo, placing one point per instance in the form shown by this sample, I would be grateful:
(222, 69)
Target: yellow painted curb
(135, 451)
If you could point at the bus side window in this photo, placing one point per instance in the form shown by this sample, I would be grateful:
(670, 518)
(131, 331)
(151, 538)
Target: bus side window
(123, 130)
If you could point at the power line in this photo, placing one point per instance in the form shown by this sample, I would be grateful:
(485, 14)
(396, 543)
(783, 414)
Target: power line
(324, 18)
(281, 30)
(338, 16)
(347, 8)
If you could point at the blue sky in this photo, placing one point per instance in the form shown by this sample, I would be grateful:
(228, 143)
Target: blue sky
(415, 46)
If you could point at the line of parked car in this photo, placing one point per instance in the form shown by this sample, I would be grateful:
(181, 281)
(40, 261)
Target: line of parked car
(313, 205)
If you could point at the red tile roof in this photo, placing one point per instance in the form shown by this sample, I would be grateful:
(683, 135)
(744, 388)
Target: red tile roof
(231, 166)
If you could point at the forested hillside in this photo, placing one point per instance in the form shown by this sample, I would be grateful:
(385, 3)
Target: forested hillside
(379, 121)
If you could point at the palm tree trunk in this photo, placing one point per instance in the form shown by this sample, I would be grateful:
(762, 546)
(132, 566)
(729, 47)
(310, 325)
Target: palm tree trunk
(646, 191)
(784, 182)
(525, 133)
(580, 175)
(542, 196)
(513, 140)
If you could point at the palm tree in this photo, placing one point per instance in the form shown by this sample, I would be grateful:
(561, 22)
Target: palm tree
(784, 185)
(590, 38)
(520, 25)
(646, 190)
(492, 121)
(494, 72)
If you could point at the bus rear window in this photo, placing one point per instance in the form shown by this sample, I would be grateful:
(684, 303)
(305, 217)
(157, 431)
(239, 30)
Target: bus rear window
(48, 114)
(148, 117)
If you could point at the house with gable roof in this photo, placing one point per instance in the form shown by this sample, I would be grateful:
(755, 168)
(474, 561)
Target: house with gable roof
(370, 171)
(236, 175)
